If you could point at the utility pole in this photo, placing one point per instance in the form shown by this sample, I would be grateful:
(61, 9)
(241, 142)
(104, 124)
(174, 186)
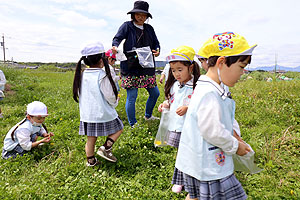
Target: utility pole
(2, 44)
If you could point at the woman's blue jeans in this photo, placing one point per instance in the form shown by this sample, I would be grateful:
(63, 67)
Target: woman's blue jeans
(132, 94)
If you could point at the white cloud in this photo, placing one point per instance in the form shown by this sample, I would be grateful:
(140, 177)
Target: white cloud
(75, 19)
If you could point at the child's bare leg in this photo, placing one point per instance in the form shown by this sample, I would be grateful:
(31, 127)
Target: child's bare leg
(90, 146)
(116, 135)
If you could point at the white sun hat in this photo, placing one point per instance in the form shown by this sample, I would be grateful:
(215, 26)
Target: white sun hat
(37, 108)
(93, 49)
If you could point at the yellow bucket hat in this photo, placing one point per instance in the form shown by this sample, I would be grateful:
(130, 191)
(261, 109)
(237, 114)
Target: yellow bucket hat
(225, 44)
(182, 53)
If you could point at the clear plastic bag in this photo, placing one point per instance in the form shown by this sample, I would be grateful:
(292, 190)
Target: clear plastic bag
(246, 163)
(145, 57)
(162, 133)
(120, 56)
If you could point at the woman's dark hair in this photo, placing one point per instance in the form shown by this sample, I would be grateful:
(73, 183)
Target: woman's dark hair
(229, 60)
(91, 61)
(133, 17)
(171, 79)
(13, 132)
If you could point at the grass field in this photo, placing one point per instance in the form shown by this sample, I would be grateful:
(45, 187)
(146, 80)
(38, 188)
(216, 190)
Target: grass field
(268, 114)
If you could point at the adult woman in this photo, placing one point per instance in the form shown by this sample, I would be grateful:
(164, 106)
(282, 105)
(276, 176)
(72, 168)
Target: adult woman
(137, 34)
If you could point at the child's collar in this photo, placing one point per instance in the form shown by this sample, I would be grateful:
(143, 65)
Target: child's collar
(220, 89)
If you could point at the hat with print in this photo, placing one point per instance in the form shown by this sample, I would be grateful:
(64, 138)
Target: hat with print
(93, 49)
(182, 53)
(140, 7)
(226, 44)
(37, 108)
(109, 53)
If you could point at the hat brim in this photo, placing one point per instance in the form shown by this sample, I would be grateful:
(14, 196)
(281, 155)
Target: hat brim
(248, 52)
(139, 11)
(173, 57)
(43, 115)
(198, 56)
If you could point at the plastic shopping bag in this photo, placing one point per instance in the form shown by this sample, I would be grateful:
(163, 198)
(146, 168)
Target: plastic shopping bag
(246, 163)
(162, 133)
(145, 57)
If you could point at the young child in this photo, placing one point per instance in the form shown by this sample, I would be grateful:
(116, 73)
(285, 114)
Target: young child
(2, 87)
(204, 65)
(23, 136)
(97, 94)
(207, 143)
(183, 75)
(111, 58)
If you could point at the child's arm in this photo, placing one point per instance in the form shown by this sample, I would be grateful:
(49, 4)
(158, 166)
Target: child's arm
(209, 116)
(23, 136)
(181, 110)
(44, 140)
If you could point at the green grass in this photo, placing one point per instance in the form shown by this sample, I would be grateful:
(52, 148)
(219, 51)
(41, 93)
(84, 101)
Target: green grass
(268, 114)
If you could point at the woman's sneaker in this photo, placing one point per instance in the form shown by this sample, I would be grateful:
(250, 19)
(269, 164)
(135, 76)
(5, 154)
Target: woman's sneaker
(106, 154)
(176, 188)
(96, 162)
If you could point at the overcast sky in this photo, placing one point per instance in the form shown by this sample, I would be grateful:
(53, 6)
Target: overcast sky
(56, 30)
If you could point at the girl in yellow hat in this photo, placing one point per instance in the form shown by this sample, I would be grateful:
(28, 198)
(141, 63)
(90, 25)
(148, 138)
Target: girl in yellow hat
(207, 142)
(183, 75)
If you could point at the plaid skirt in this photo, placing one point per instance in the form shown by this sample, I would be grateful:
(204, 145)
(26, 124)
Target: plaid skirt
(224, 189)
(173, 138)
(177, 178)
(100, 129)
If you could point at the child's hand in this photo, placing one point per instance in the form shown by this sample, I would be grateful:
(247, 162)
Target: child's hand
(243, 149)
(48, 134)
(160, 107)
(162, 77)
(46, 139)
(165, 104)
(181, 110)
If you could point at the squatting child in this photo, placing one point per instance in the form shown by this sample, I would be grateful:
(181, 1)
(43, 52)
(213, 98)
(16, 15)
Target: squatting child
(21, 138)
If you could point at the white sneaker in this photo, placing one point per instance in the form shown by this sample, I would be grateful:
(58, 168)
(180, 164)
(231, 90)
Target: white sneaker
(151, 118)
(135, 125)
